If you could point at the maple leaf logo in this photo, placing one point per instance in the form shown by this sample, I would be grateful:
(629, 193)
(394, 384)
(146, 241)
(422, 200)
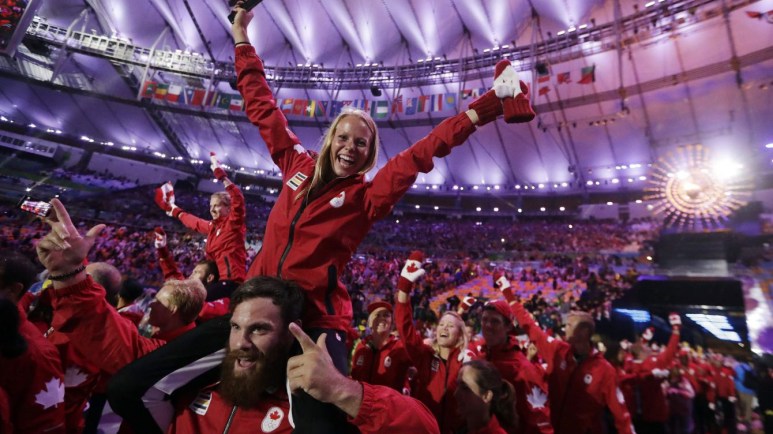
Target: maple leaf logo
(51, 395)
(73, 377)
(537, 398)
(412, 268)
(273, 419)
(274, 415)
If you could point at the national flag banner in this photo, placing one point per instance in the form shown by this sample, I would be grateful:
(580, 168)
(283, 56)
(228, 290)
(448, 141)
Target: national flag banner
(210, 99)
(161, 90)
(543, 72)
(465, 93)
(314, 108)
(173, 95)
(436, 103)
(198, 97)
(410, 106)
(381, 109)
(423, 106)
(237, 103)
(322, 108)
(286, 106)
(299, 106)
(564, 77)
(335, 108)
(148, 89)
(478, 92)
(397, 104)
(224, 100)
(544, 90)
(588, 75)
(450, 101)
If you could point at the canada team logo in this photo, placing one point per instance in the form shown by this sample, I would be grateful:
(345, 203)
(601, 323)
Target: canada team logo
(588, 378)
(387, 362)
(200, 405)
(337, 201)
(273, 419)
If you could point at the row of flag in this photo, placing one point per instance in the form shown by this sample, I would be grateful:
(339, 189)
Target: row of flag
(587, 76)
(191, 96)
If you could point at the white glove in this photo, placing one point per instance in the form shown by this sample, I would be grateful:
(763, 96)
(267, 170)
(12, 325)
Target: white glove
(506, 84)
(660, 373)
(160, 238)
(674, 319)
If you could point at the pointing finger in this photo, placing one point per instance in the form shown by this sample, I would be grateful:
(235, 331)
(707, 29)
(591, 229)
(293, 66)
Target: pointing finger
(63, 217)
(306, 343)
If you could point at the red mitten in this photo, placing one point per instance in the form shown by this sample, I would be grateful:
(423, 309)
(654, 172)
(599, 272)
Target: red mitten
(675, 320)
(160, 237)
(164, 197)
(219, 172)
(513, 92)
(466, 304)
(411, 272)
(502, 283)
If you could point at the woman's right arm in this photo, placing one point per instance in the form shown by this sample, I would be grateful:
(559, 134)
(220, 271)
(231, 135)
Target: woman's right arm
(259, 103)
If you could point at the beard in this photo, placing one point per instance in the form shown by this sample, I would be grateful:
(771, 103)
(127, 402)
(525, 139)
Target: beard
(245, 389)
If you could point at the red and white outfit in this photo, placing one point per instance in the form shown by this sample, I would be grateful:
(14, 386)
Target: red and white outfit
(34, 384)
(98, 331)
(435, 380)
(309, 240)
(531, 391)
(225, 237)
(579, 390)
(652, 405)
(387, 366)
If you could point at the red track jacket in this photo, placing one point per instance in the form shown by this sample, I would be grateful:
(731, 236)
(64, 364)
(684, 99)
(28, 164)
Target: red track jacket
(653, 404)
(34, 383)
(387, 366)
(436, 378)
(310, 240)
(225, 237)
(579, 391)
(531, 391)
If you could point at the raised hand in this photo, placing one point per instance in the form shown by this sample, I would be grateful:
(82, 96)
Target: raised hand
(164, 198)
(63, 249)
(216, 168)
(411, 271)
(465, 304)
(159, 237)
(675, 320)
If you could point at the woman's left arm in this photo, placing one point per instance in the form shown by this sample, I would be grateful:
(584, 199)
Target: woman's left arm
(399, 173)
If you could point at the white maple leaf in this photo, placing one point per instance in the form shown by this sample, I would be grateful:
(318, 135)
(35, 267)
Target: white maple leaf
(537, 398)
(73, 376)
(51, 395)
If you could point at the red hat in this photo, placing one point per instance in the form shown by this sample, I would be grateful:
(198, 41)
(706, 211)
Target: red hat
(379, 305)
(502, 307)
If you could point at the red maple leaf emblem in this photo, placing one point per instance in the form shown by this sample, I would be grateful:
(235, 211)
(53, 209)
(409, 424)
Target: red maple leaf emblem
(274, 415)
(412, 268)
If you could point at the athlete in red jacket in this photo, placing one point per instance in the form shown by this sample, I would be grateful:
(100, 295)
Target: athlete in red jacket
(326, 206)
(503, 350)
(580, 380)
(225, 232)
(30, 368)
(438, 365)
(486, 400)
(381, 358)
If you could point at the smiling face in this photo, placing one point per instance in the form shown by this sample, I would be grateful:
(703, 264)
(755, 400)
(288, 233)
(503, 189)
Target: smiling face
(218, 208)
(351, 145)
(448, 332)
(258, 348)
(380, 321)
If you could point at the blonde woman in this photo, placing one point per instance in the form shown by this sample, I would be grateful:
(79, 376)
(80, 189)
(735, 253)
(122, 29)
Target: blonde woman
(437, 364)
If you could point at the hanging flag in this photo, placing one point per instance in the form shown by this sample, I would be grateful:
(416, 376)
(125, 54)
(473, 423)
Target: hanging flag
(322, 108)
(397, 104)
(314, 109)
(759, 15)
(335, 108)
(423, 106)
(148, 89)
(465, 93)
(564, 77)
(410, 106)
(299, 106)
(543, 73)
(588, 75)
(436, 103)
(286, 106)
(450, 101)
(161, 90)
(198, 97)
(211, 99)
(173, 95)
(544, 90)
(223, 101)
(381, 109)
(237, 103)
(478, 92)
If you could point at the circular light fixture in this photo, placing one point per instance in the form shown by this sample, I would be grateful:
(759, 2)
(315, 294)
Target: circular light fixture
(692, 192)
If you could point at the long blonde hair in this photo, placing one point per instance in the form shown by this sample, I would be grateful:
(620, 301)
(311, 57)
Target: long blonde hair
(323, 169)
